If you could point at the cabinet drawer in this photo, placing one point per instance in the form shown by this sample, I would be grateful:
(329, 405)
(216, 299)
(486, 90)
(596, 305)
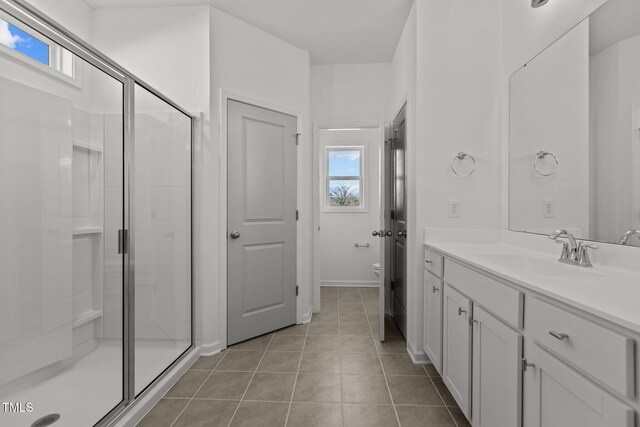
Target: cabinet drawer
(433, 262)
(606, 355)
(502, 300)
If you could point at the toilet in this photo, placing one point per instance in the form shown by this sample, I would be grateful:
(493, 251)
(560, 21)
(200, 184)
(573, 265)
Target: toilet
(376, 269)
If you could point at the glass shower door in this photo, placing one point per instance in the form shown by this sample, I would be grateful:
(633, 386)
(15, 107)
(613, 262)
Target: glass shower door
(61, 206)
(162, 235)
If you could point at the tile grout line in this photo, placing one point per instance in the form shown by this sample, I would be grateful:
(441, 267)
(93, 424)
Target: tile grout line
(201, 385)
(295, 381)
(249, 383)
(384, 372)
(311, 401)
(340, 360)
(441, 398)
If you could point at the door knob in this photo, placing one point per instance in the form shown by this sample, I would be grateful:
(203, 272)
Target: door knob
(402, 233)
(376, 233)
(234, 235)
(388, 233)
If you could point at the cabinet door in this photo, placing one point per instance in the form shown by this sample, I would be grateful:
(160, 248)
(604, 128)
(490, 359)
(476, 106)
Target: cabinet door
(557, 396)
(433, 319)
(497, 372)
(456, 360)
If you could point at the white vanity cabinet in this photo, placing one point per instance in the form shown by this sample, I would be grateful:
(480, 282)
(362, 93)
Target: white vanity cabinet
(512, 357)
(433, 296)
(556, 395)
(456, 359)
(496, 372)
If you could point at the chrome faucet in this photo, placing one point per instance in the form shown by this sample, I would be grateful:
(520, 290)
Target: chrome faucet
(573, 253)
(625, 238)
(569, 249)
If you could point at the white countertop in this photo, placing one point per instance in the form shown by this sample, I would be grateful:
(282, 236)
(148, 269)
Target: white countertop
(608, 290)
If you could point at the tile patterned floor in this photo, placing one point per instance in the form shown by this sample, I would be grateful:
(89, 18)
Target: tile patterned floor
(333, 371)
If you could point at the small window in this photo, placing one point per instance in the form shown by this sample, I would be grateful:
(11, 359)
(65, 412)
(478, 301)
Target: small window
(344, 178)
(35, 46)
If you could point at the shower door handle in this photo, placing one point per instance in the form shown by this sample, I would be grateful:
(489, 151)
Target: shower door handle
(123, 241)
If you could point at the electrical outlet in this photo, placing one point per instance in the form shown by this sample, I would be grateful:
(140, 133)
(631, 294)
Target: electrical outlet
(548, 209)
(454, 208)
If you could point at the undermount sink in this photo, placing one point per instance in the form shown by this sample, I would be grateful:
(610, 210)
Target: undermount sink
(538, 267)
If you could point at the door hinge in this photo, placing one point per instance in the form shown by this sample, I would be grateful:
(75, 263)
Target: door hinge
(123, 241)
(392, 215)
(297, 290)
(298, 135)
(526, 364)
(297, 215)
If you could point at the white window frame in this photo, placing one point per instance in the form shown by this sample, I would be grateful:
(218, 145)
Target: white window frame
(326, 179)
(61, 60)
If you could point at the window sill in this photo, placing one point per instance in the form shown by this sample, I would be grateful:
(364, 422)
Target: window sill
(344, 210)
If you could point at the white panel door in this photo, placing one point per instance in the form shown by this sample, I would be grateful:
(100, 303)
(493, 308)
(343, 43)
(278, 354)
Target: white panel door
(557, 396)
(497, 372)
(433, 296)
(456, 358)
(261, 221)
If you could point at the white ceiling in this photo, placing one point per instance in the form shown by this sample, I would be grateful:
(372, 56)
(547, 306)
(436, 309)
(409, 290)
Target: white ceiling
(616, 20)
(332, 31)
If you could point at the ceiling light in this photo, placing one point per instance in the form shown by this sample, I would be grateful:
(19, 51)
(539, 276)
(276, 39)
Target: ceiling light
(538, 3)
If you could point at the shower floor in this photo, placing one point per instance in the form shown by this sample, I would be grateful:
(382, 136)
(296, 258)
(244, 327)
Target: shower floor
(83, 394)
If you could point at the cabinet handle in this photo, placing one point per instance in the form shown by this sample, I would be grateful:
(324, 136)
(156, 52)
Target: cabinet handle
(428, 261)
(460, 311)
(558, 336)
(435, 290)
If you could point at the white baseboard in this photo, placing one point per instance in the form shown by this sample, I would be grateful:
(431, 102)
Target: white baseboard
(306, 318)
(418, 357)
(350, 283)
(144, 404)
(212, 348)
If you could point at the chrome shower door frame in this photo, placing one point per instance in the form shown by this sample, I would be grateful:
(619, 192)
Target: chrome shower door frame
(29, 15)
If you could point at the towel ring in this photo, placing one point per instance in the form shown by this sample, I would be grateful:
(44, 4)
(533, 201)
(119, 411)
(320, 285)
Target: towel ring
(541, 155)
(461, 156)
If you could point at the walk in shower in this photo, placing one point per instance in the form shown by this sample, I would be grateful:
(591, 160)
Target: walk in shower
(95, 217)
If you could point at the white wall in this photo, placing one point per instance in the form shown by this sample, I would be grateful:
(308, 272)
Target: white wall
(457, 108)
(351, 94)
(167, 47)
(248, 62)
(402, 73)
(549, 111)
(354, 95)
(74, 15)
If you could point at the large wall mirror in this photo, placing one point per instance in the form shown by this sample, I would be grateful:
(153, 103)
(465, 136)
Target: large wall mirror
(574, 145)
